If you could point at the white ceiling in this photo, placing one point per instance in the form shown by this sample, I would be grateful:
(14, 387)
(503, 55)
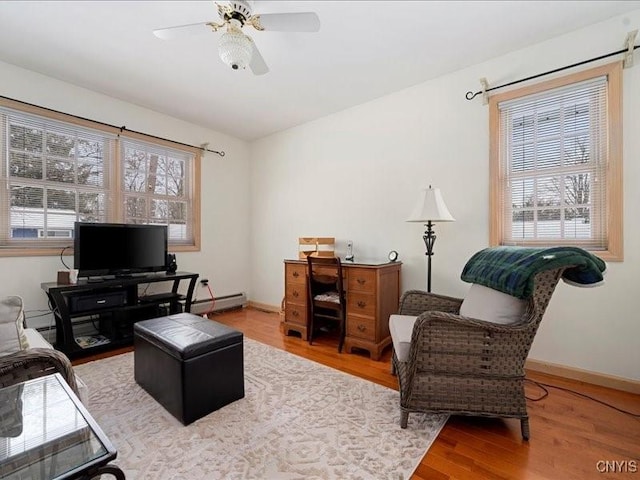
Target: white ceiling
(364, 50)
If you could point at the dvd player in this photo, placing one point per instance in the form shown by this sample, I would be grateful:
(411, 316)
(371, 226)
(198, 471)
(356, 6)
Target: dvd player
(97, 301)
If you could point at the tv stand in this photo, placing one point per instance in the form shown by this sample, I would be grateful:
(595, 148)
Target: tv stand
(110, 306)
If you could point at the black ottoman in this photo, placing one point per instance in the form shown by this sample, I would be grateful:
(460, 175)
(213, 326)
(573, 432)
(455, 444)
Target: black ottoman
(189, 364)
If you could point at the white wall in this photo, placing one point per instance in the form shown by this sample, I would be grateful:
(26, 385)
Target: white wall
(223, 258)
(355, 175)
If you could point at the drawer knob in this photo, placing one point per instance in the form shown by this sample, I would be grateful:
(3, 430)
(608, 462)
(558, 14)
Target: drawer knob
(295, 313)
(362, 303)
(295, 293)
(361, 281)
(361, 328)
(295, 274)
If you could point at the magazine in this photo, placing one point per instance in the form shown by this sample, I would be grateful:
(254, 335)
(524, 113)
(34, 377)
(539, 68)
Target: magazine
(91, 340)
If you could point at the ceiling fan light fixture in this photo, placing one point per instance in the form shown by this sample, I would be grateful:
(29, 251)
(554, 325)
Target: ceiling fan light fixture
(235, 49)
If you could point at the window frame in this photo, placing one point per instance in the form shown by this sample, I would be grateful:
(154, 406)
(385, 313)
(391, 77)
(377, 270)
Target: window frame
(115, 185)
(614, 188)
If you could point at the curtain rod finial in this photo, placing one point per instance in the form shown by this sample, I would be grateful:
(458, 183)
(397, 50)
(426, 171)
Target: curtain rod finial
(205, 148)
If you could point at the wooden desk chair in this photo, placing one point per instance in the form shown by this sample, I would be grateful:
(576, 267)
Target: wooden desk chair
(326, 294)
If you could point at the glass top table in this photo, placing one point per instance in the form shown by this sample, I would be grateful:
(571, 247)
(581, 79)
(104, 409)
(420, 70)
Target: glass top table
(47, 434)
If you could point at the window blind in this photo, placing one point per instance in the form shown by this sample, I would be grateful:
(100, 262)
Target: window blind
(553, 166)
(157, 187)
(53, 174)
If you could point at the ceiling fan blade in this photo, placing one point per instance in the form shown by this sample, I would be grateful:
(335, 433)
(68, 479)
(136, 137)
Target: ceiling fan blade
(289, 22)
(257, 63)
(180, 31)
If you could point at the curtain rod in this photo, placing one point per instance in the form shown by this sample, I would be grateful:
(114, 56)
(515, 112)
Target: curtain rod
(122, 129)
(470, 95)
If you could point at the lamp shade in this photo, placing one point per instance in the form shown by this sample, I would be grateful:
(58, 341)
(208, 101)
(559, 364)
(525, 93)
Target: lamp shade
(430, 208)
(235, 49)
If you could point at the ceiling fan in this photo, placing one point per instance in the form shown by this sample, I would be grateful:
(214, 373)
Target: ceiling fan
(235, 48)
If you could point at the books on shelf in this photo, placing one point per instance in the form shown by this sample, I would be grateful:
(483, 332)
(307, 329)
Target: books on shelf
(87, 341)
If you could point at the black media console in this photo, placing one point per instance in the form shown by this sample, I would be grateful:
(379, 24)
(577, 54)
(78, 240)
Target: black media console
(99, 315)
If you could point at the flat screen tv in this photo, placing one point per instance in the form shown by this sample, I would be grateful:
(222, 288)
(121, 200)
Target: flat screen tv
(119, 249)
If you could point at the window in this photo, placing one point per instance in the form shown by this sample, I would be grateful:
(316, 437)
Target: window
(556, 163)
(57, 170)
(156, 186)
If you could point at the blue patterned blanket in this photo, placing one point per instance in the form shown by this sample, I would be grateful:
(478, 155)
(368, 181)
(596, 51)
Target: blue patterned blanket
(512, 269)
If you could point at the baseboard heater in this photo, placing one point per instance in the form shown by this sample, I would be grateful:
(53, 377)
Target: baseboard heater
(225, 302)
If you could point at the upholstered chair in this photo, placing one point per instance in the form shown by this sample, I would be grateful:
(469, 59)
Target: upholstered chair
(467, 357)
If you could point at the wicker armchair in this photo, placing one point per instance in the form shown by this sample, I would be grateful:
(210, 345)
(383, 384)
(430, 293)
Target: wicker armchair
(464, 366)
(35, 362)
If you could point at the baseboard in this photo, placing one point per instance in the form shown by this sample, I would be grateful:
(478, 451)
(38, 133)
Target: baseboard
(265, 307)
(595, 378)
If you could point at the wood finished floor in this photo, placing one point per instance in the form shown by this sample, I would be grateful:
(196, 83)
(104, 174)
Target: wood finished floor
(569, 434)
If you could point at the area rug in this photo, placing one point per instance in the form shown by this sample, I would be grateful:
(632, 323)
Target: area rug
(298, 420)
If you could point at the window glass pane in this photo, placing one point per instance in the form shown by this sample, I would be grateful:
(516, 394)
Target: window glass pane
(135, 170)
(134, 181)
(175, 177)
(577, 223)
(135, 207)
(26, 223)
(91, 172)
(178, 231)
(92, 204)
(26, 139)
(60, 145)
(523, 225)
(522, 193)
(522, 127)
(577, 118)
(577, 189)
(29, 197)
(523, 158)
(61, 199)
(177, 212)
(89, 149)
(548, 192)
(58, 222)
(159, 210)
(60, 171)
(156, 181)
(548, 124)
(576, 150)
(548, 224)
(25, 165)
(549, 153)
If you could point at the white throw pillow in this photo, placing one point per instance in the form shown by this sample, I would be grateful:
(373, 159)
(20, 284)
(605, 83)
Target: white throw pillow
(491, 305)
(12, 336)
(401, 329)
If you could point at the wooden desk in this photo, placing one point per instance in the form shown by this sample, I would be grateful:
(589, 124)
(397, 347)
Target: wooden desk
(372, 291)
